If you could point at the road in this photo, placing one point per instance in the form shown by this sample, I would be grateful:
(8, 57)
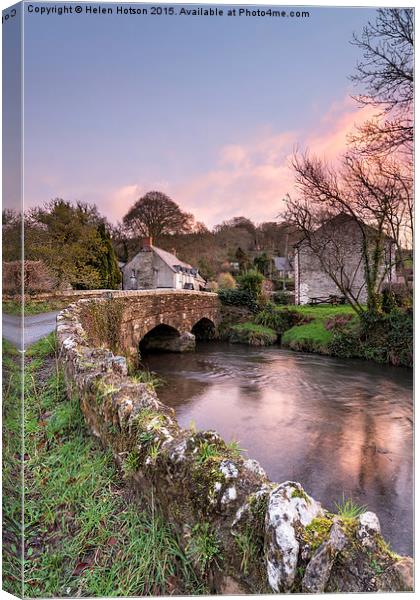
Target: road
(36, 327)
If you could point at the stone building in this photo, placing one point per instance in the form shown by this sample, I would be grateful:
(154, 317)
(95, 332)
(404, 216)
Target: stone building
(153, 268)
(336, 248)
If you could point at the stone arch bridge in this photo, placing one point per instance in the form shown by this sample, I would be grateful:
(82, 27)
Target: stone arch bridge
(167, 319)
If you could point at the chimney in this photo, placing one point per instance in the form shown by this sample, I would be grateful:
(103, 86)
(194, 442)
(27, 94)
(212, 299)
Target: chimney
(174, 251)
(146, 243)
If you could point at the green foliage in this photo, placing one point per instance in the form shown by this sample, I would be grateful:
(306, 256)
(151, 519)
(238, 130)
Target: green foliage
(102, 321)
(84, 536)
(204, 548)
(13, 307)
(262, 264)
(234, 449)
(281, 297)
(131, 463)
(238, 297)
(151, 379)
(349, 509)
(279, 319)
(207, 450)
(106, 263)
(72, 242)
(251, 282)
(252, 334)
(384, 338)
(248, 547)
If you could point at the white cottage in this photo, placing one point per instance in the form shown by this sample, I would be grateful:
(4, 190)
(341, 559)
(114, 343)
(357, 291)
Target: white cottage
(153, 268)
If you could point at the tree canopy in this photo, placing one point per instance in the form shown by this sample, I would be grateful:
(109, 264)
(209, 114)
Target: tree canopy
(155, 215)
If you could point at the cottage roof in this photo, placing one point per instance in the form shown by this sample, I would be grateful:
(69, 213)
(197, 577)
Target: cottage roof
(170, 259)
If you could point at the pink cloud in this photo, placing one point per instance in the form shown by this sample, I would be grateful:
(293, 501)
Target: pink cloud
(252, 177)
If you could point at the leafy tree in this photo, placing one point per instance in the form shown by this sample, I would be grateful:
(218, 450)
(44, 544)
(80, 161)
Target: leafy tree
(68, 239)
(155, 214)
(263, 263)
(107, 263)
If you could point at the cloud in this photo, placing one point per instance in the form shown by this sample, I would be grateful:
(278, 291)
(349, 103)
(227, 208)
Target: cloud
(251, 177)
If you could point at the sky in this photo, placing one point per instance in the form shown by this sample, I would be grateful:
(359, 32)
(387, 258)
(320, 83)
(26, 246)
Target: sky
(205, 109)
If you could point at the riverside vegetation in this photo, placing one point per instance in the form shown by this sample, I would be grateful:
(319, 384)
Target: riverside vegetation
(385, 336)
(85, 534)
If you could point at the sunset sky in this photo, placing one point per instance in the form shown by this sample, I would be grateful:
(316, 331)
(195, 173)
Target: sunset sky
(205, 109)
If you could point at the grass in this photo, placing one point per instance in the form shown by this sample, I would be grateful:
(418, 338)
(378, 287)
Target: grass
(252, 334)
(13, 307)
(349, 509)
(85, 533)
(313, 336)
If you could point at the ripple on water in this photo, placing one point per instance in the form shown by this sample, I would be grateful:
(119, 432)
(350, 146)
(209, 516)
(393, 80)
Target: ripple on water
(337, 426)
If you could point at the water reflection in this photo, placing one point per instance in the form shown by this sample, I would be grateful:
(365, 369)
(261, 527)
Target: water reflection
(339, 427)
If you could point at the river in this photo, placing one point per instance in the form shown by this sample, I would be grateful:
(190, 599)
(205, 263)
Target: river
(342, 428)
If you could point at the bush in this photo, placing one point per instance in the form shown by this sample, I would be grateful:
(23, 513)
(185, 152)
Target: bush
(388, 338)
(396, 295)
(252, 334)
(278, 319)
(282, 297)
(238, 298)
(226, 281)
(384, 338)
(36, 277)
(251, 282)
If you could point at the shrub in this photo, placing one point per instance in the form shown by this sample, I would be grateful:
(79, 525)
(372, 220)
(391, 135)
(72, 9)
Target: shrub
(388, 338)
(238, 298)
(36, 277)
(277, 319)
(396, 295)
(283, 297)
(251, 282)
(252, 334)
(226, 281)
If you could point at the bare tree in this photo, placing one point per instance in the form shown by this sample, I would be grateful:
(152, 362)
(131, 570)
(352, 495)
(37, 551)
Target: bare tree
(373, 196)
(385, 72)
(155, 214)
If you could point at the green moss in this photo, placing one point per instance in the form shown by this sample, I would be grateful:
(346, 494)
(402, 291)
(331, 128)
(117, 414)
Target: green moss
(205, 477)
(248, 549)
(317, 531)
(300, 494)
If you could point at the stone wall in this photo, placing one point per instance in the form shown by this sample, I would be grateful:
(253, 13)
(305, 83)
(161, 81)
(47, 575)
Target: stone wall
(242, 532)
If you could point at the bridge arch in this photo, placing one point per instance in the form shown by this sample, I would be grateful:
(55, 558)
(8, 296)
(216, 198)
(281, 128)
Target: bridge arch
(145, 311)
(204, 329)
(161, 337)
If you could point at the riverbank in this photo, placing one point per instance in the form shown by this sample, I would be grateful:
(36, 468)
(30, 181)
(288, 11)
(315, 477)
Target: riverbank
(329, 330)
(86, 534)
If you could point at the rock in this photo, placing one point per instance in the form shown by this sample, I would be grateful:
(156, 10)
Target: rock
(318, 571)
(288, 508)
(368, 528)
(399, 577)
